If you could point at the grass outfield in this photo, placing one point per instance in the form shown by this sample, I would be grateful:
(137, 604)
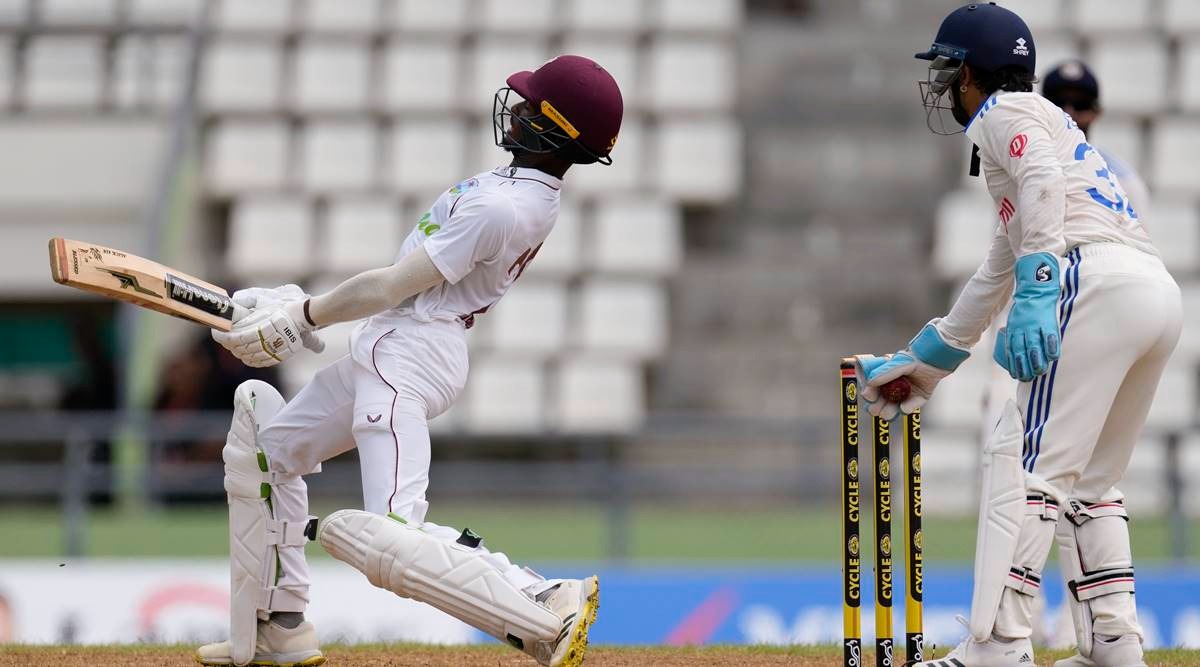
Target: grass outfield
(494, 655)
(528, 531)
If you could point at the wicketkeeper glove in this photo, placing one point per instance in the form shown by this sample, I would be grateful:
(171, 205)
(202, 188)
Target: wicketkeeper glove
(927, 359)
(1029, 343)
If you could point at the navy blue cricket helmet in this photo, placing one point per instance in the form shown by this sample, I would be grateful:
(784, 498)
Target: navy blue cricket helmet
(983, 35)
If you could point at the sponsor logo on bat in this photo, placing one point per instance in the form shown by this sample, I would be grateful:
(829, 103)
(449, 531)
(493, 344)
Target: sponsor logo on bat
(199, 297)
(130, 281)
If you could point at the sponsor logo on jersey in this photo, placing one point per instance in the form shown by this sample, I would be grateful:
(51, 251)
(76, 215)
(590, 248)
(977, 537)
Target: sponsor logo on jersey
(1022, 47)
(462, 187)
(1016, 147)
(1006, 211)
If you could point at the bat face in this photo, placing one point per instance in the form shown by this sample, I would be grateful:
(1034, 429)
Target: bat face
(119, 275)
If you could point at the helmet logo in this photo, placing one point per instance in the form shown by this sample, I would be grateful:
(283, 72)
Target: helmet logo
(612, 143)
(1016, 147)
(559, 120)
(1022, 49)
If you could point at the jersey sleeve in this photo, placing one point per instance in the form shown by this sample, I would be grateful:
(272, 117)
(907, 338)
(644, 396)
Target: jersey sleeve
(477, 230)
(1017, 136)
(983, 296)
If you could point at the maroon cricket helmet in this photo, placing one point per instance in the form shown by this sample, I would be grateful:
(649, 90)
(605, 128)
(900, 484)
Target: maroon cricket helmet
(578, 107)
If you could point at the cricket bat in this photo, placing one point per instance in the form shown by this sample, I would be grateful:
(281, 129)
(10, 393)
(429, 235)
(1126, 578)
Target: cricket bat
(120, 275)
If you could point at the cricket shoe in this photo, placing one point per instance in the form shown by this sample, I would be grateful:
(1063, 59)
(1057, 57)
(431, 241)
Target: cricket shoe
(575, 601)
(277, 646)
(1125, 651)
(991, 653)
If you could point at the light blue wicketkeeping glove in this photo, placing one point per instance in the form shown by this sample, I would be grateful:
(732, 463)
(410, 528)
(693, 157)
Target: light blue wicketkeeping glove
(927, 359)
(1029, 343)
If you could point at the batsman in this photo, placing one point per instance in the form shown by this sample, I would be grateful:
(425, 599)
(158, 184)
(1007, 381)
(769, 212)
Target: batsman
(1094, 319)
(407, 363)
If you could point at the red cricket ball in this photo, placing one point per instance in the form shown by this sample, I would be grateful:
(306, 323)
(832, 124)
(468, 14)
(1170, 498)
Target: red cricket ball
(896, 391)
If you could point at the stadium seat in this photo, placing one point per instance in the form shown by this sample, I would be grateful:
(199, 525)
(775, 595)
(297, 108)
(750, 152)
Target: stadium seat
(424, 17)
(560, 254)
(597, 396)
(1181, 16)
(1188, 350)
(257, 16)
(530, 321)
(690, 74)
(1140, 65)
(331, 76)
(699, 161)
(78, 12)
(610, 16)
(947, 457)
(361, 233)
(1174, 405)
(1174, 224)
(622, 317)
(1174, 144)
(427, 155)
(241, 75)
(617, 55)
(641, 236)
(958, 402)
(421, 76)
(247, 155)
(270, 238)
(1040, 15)
(1093, 16)
(1053, 49)
(535, 16)
(689, 15)
(164, 12)
(14, 12)
(341, 16)
(628, 171)
(1121, 137)
(485, 155)
(64, 71)
(1146, 494)
(338, 155)
(7, 70)
(148, 71)
(493, 60)
(965, 223)
(505, 396)
(1188, 79)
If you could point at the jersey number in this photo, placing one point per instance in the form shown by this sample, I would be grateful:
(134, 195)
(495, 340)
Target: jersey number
(518, 266)
(1116, 202)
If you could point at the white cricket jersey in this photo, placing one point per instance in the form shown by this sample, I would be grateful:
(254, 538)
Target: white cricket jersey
(1053, 192)
(481, 234)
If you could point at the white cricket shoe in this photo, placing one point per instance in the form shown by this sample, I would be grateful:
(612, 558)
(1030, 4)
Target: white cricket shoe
(990, 653)
(1123, 651)
(575, 601)
(277, 646)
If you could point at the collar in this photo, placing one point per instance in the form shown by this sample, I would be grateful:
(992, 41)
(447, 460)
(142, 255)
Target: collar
(529, 174)
(986, 106)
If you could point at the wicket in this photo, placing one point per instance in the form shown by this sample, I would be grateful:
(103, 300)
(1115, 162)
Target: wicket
(882, 515)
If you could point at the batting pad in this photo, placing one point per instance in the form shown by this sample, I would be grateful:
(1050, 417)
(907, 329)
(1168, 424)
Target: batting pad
(450, 576)
(254, 533)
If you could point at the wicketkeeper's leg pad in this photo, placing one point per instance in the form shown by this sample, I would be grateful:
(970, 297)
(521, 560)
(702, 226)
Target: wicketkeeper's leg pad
(255, 534)
(1093, 541)
(1017, 514)
(453, 576)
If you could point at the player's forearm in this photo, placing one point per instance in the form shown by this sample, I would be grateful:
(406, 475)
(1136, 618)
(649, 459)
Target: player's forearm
(372, 292)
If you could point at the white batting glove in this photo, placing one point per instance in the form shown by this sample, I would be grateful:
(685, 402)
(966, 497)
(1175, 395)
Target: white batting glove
(268, 335)
(260, 297)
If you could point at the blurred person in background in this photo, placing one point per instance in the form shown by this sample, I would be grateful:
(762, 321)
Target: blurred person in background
(1073, 256)
(408, 363)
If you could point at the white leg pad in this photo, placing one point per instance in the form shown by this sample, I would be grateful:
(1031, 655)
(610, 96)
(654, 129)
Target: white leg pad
(1017, 512)
(452, 577)
(254, 532)
(1094, 549)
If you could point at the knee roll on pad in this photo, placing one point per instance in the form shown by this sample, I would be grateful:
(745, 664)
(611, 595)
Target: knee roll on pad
(445, 574)
(254, 533)
(1093, 541)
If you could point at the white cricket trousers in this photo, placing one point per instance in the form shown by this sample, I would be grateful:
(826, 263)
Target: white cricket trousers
(1120, 315)
(400, 373)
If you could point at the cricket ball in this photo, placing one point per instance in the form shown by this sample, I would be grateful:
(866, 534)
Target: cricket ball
(896, 391)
